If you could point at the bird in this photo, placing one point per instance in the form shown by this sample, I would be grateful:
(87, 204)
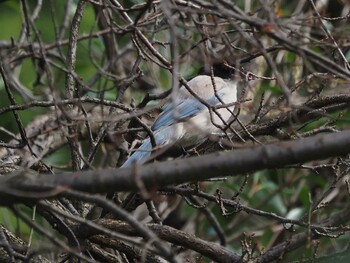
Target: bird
(192, 117)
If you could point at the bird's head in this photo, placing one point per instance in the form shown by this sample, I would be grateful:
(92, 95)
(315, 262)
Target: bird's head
(218, 69)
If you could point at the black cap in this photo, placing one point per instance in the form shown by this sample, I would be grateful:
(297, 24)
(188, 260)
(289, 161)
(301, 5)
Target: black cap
(222, 70)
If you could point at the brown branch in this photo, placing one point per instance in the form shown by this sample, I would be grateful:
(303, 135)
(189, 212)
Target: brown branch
(177, 237)
(71, 89)
(161, 174)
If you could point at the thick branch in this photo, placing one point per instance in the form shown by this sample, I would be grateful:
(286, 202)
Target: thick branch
(157, 175)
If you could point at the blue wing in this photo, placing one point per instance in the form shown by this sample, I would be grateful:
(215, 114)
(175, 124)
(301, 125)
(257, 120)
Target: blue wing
(144, 151)
(141, 154)
(185, 109)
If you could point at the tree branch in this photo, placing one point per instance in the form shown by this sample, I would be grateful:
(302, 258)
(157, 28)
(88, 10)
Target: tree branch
(157, 175)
